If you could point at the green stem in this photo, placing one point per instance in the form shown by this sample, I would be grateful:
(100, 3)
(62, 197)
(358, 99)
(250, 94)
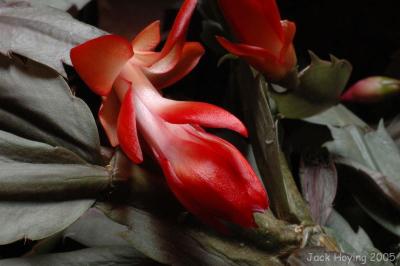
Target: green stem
(286, 201)
(54, 188)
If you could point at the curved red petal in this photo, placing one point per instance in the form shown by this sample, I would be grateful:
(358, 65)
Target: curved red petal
(347, 96)
(243, 50)
(180, 26)
(145, 59)
(275, 68)
(127, 132)
(99, 61)
(167, 62)
(191, 54)
(203, 114)
(147, 39)
(108, 116)
(254, 22)
(289, 31)
(271, 12)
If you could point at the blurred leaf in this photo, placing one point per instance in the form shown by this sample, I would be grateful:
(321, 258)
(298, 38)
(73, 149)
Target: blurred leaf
(37, 220)
(319, 184)
(362, 183)
(37, 104)
(348, 240)
(374, 159)
(124, 256)
(45, 245)
(382, 212)
(94, 229)
(377, 179)
(394, 130)
(210, 30)
(210, 10)
(321, 257)
(354, 243)
(43, 34)
(64, 5)
(321, 84)
(336, 116)
(172, 244)
(375, 150)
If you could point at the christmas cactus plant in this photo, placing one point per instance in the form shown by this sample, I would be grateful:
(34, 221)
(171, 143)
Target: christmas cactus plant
(206, 135)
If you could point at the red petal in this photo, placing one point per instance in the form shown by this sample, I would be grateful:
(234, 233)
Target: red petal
(108, 115)
(273, 67)
(147, 39)
(289, 30)
(254, 22)
(243, 50)
(271, 11)
(99, 61)
(127, 132)
(203, 114)
(168, 62)
(168, 58)
(145, 59)
(347, 96)
(180, 27)
(213, 180)
(191, 54)
(190, 203)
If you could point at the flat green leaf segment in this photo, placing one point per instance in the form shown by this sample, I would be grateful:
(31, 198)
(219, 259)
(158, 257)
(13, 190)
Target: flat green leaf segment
(37, 220)
(375, 150)
(102, 256)
(337, 116)
(37, 104)
(375, 158)
(321, 84)
(356, 243)
(43, 34)
(64, 5)
(49, 148)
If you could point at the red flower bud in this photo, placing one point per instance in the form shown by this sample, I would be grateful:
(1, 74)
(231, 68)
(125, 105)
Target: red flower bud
(265, 40)
(372, 89)
(207, 174)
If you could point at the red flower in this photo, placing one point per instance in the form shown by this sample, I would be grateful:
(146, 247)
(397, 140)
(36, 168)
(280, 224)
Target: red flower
(208, 175)
(372, 89)
(265, 40)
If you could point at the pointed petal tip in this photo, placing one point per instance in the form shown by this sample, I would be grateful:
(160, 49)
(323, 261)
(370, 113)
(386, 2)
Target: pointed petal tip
(246, 51)
(199, 113)
(346, 97)
(108, 116)
(180, 27)
(148, 38)
(175, 66)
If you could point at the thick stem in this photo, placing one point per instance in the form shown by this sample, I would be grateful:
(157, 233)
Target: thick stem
(286, 201)
(50, 187)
